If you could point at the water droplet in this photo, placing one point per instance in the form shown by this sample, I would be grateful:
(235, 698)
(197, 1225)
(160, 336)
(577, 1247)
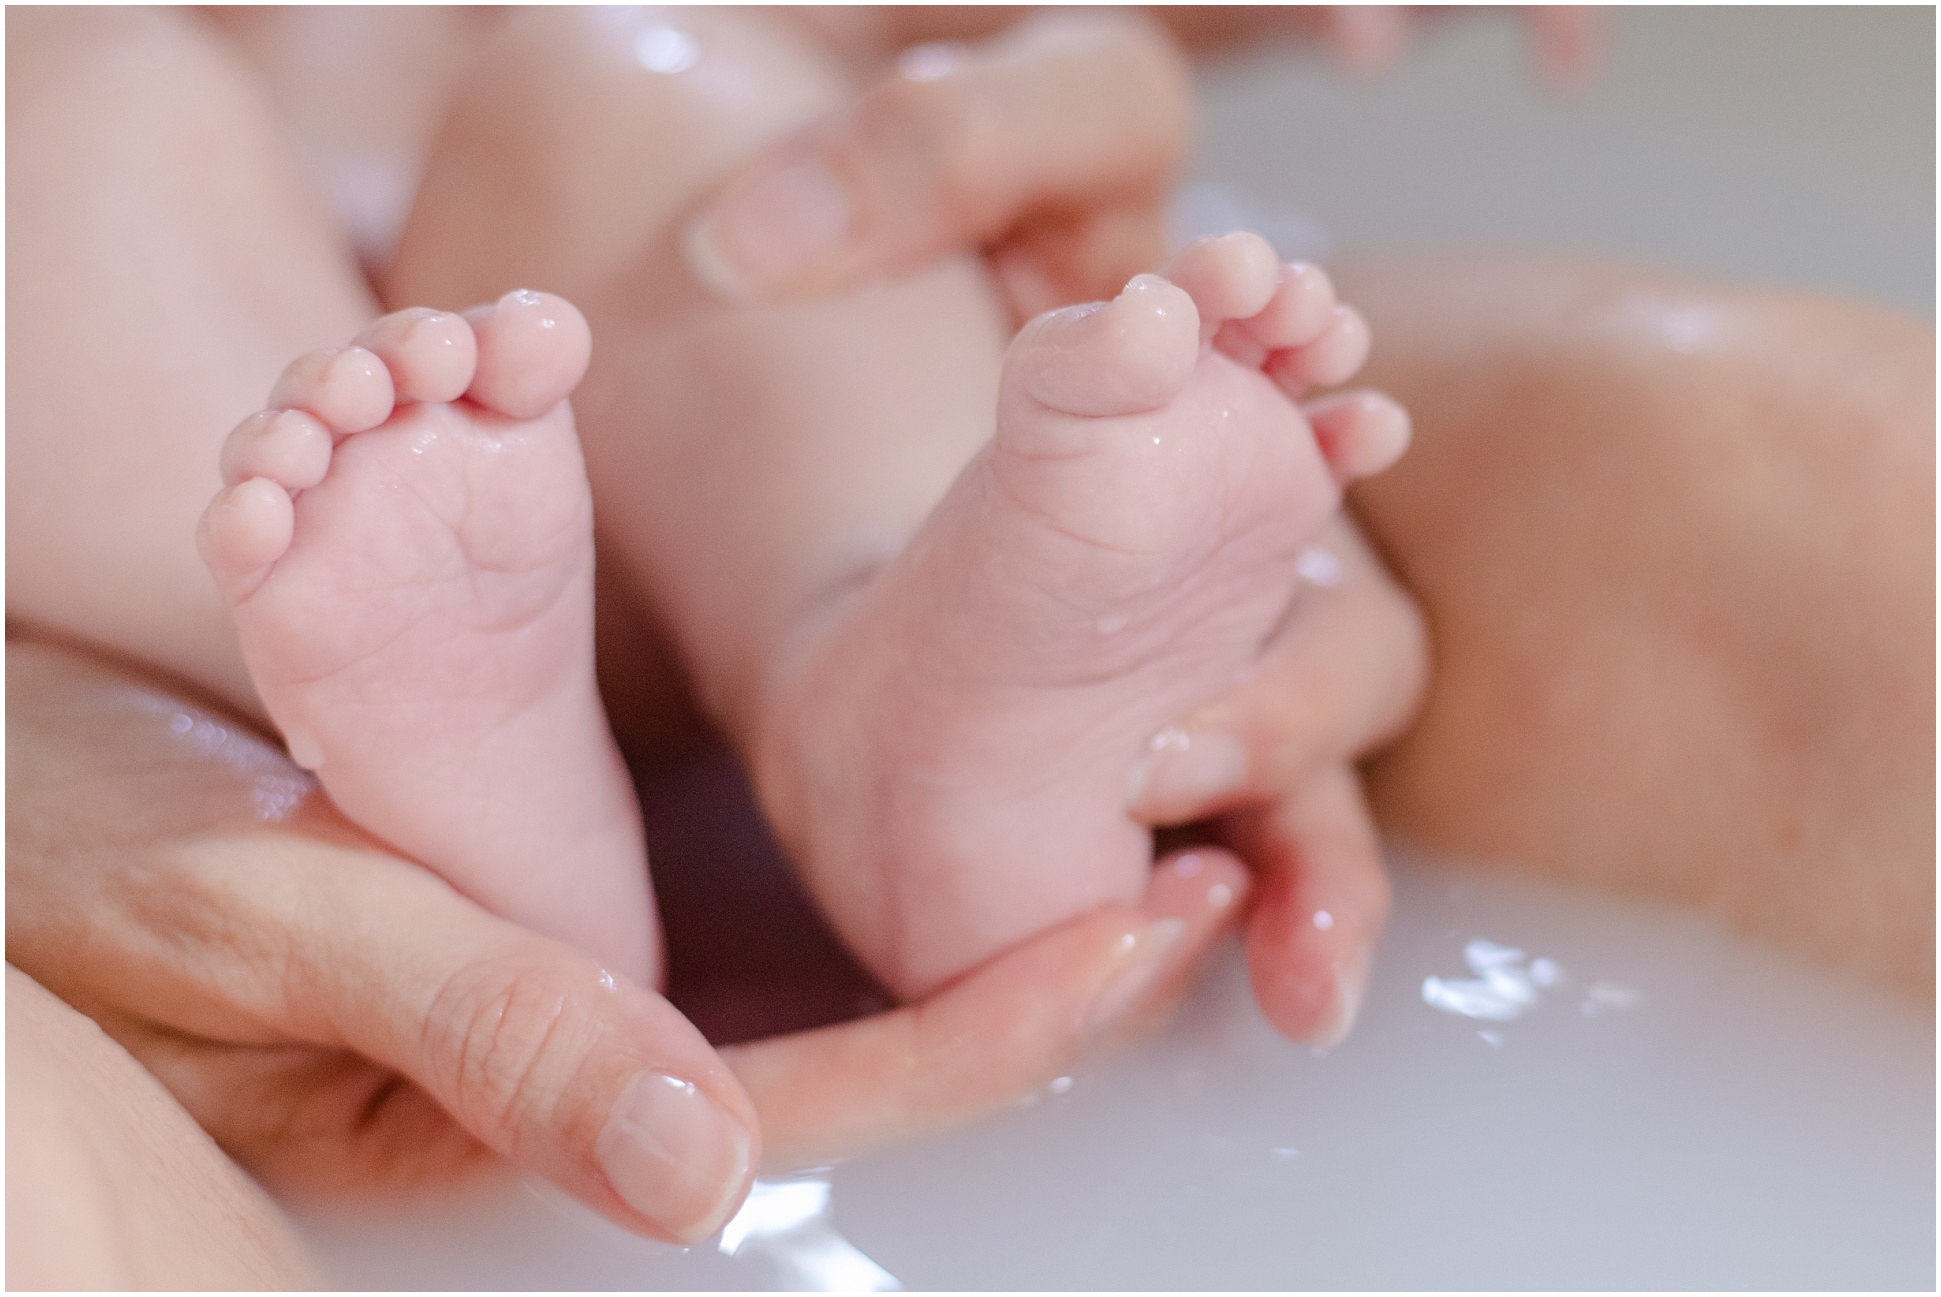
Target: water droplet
(1060, 1085)
(1319, 566)
(666, 49)
(1219, 896)
(932, 62)
(1323, 920)
(1171, 739)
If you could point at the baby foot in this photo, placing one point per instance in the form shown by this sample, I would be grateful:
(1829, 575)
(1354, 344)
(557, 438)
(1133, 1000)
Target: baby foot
(405, 541)
(948, 747)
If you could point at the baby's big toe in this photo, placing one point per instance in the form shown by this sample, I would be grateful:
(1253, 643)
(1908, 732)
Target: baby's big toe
(532, 353)
(1131, 354)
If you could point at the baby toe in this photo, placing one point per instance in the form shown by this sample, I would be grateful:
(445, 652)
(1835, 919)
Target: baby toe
(1131, 354)
(431, 354)
(1300, 310)
(348, 388)
(1229, 277)
(1333, 356)
(289, 447)
(1360, 433)
(246, 528)
(532, 353)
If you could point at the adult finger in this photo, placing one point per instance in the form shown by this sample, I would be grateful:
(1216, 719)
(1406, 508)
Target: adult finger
(1084, 255)
(562, 1067)
(1341, 676)
(1321, 899)
(997, 1034)
(211, 895)
(1065, 113)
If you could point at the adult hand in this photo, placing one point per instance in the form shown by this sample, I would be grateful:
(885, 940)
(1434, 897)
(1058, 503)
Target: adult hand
(1363, 38)
(1274, 761)
(340, 1018)
(1051, 148)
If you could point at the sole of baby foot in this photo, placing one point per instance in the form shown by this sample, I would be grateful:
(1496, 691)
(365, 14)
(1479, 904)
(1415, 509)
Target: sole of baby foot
(405, 542)
(946, 750)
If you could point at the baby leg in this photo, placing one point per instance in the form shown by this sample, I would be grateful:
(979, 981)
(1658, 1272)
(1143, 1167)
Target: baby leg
(162, 255)
(163, 263)
(758, 473)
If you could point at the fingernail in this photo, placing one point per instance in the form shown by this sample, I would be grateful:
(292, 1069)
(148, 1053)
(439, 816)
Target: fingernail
(1142, 957)
(1184, 773)
(673, 1156)
(1350, 983)
(769, 230)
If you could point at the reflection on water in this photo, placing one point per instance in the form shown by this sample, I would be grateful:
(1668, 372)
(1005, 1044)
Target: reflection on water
(786, 1227)
(276, 787)
(1502, 988)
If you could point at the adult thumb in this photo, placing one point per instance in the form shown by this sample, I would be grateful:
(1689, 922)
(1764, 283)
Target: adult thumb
(571, 1072)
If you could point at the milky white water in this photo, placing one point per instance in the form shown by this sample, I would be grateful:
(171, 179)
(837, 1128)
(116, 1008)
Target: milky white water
(1548, 1088)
